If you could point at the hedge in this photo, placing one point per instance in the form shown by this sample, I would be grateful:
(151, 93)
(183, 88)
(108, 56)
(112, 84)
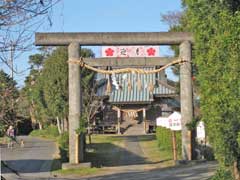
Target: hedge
(164, 138)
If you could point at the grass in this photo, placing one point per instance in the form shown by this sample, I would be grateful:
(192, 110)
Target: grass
(79, 172)
(108, 150)
(152, 152)
(50, 132)
(2, 140)
(105, 150)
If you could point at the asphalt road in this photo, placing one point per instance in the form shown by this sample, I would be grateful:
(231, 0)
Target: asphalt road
(31, 161)
(202, 171)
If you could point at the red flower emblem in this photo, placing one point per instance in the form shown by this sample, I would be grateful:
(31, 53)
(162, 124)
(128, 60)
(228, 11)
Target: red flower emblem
(151, 52)
(109, 52)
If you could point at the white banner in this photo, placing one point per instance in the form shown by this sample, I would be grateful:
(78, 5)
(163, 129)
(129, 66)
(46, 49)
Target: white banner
(130, 51)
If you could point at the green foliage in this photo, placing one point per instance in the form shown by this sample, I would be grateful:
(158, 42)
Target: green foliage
(222, 174)
(80, 172)
(238, 139)
(63, 142)
(33, 90)
(55, 83)
(193, 124)
(2, 129)
(215, 25)
(47, 84)
(83, 125)
(51, 132)
(36, 60)
(164, 138)
(8, 100)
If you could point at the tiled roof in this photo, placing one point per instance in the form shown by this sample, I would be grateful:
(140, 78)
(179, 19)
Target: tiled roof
(124, 95)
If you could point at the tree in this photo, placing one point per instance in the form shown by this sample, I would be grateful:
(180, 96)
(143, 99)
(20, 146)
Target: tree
(47, 86)
(8, 101)
(19, 19)
(215, 25)
(91, 102)
(33, 90)
(55, 86)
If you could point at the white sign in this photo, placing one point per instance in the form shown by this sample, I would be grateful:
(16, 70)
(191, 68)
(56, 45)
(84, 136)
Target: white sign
(172, 122)
(201, 131)
(175, 123)
(130, 51)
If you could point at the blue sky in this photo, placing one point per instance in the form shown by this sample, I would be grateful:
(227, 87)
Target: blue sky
(105, 16)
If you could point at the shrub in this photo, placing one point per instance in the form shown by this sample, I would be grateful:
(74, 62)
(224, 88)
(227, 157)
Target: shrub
(164, 138)
(50, 132)
(222, 174)
(2, 129)
(63, 142)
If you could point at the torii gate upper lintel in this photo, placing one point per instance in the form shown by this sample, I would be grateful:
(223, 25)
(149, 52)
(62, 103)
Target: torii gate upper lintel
(75, 40)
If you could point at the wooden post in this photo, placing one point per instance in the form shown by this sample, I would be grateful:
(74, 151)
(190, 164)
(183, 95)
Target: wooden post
(174, 145)
(119, 119)
(77, 148)
(190, 145)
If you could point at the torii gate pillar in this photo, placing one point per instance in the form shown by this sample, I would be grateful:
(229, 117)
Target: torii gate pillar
(186, 96)
(74, 83)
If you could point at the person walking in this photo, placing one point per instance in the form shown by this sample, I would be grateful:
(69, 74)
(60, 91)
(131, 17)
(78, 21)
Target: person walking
(10, 136)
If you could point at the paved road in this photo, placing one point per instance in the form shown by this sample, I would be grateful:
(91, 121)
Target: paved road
(196, 172)
(33, 160)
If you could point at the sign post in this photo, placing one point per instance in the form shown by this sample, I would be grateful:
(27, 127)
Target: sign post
(172, 122)
(174, 145)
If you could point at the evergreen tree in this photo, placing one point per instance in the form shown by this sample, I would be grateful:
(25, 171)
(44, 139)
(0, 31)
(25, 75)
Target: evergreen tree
(8, 101)
(215, 26)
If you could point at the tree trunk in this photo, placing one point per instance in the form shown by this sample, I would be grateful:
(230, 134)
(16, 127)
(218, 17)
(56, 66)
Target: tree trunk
(33, 119)
(40, 125)
(62, 125)
(59, 125)
(88, 126)
(89, 139)
(236, 171)
(65, 129)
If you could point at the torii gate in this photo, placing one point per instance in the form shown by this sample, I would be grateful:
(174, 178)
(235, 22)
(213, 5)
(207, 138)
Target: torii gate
(75, 40)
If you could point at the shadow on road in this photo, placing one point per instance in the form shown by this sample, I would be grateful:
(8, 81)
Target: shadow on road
(201, 171)
(113, 156)
(26, 166)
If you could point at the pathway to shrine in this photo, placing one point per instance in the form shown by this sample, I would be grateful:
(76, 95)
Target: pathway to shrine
(34, 162)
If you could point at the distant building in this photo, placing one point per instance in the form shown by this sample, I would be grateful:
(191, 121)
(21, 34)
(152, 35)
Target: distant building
(126, 95)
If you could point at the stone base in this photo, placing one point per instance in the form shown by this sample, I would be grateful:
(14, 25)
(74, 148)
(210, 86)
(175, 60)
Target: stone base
(76, 166)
